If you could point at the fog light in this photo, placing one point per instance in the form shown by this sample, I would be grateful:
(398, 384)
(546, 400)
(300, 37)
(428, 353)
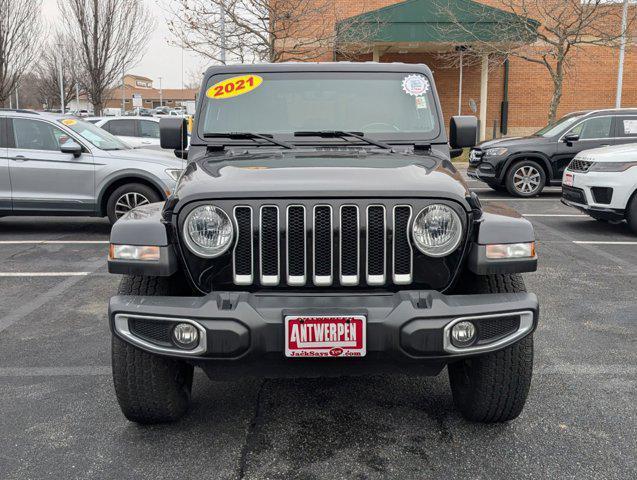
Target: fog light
(186, 335)
(463, 333)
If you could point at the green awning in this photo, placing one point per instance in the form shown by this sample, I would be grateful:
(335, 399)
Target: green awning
(436, 21)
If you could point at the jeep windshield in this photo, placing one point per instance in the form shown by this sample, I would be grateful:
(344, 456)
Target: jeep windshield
(387, 106)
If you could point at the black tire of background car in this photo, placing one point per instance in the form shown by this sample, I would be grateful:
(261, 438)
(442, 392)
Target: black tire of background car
(144, 190)
(150, 388)
(631, 213)
(508, 181)
(493, 387)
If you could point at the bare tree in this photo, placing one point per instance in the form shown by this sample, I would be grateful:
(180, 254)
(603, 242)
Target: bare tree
(256, 30)
(550, 33)
(60, 50)
(111, 36)
(20, 30)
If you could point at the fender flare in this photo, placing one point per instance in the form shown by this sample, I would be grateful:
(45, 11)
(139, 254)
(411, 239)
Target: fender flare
(132, 174)
(536, 156)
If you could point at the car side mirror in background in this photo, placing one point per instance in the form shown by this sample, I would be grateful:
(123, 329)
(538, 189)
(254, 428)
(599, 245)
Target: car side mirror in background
(71, 146)
(173, 133)
(463, 131)
(570, 138)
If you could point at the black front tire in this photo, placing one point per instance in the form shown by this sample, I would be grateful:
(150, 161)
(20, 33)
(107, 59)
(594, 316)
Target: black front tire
(631, 213)
(493, 387)
(149, 388)
(533, 168)
(136, 192)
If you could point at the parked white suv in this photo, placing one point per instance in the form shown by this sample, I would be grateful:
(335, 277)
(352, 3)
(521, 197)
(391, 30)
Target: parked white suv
(602, 182)
(138, 132)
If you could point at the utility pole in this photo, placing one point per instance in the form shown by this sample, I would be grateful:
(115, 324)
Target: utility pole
(222, 13)
(77, 96)
(17, 99)
(622, 49)
(61, 82)
(161, 94)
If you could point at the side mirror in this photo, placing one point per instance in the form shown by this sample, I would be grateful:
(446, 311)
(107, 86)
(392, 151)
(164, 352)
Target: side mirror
(71, 146)
(173, 133)
(570, 137)
(183, 154)
(455, 152)
(463, 131)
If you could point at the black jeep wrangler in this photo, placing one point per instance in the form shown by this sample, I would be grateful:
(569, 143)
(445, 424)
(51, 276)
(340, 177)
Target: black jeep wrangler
(320, 229)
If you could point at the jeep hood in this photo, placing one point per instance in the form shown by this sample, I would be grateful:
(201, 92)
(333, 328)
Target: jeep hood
(314, 174)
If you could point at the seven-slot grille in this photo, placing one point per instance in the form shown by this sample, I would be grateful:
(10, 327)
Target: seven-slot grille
(579, 165)
(322, 245)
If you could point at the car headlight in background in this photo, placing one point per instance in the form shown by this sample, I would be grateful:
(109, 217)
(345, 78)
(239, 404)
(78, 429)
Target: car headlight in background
(493, 152)
(208, 231)
(174, 173)
(437, 230)
(611, 166)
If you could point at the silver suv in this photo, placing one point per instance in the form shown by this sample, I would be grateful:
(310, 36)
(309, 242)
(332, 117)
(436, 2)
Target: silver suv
(60, 165)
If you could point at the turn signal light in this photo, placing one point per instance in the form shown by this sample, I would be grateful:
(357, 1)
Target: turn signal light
(134, 252)
(511, 250)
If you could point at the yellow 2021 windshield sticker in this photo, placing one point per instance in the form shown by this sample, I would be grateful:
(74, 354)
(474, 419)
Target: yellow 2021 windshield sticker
(233, 87)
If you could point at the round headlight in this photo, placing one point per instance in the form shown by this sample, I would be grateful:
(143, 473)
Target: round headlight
(437, 230)
(208, 231)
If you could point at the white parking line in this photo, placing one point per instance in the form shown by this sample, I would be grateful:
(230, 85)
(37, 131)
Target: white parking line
(44, 274)
(553, 215)
(600, 242)
(46, 242)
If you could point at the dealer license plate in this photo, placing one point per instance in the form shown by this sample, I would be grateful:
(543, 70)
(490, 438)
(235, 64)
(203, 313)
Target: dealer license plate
(568, 179)
(325, 336)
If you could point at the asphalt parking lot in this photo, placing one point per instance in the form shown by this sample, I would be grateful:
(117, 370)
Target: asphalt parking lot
(59, 417)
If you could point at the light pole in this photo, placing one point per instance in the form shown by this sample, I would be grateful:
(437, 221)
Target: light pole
(61, 81)
(123, 93)
(161, 94)
(622, 49)
(222, 14)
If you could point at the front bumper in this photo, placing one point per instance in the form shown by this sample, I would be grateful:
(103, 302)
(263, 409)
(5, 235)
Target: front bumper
(242, 333)
(484, 172)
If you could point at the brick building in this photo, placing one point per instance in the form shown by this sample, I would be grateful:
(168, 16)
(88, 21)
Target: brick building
(151, 97)
(591, 84)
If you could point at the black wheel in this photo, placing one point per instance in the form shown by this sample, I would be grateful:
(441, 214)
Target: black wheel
(493, 387)
(525, 179)
(127, 197)
(149, 388)
(631, 213)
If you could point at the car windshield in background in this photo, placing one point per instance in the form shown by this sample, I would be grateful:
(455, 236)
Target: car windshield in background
(559, 126)
(380, 105)
(95, 135)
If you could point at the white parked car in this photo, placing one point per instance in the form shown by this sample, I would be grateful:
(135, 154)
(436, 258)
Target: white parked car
(602, 182)
(138, 132)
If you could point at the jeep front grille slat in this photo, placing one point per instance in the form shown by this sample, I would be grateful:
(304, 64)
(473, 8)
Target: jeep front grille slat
(243, 250)
(323, 245)
(305, 244)
(350, 245)
(376, 245)
(403, 256)
(296, 251)
(269, 243)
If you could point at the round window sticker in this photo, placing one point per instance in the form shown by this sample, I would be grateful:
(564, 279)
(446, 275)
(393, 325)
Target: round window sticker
(415, 85)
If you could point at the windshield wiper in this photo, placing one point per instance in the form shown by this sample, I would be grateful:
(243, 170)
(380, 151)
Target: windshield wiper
(342, 134)
(249, 136)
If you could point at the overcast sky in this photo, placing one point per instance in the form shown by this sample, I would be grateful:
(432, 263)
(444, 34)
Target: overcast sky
(161, 59)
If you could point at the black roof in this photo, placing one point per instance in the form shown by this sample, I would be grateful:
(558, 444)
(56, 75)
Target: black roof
(320, 67)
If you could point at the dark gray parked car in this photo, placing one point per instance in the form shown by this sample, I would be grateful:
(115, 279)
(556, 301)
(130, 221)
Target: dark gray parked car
(53, 164)
(320, 229)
